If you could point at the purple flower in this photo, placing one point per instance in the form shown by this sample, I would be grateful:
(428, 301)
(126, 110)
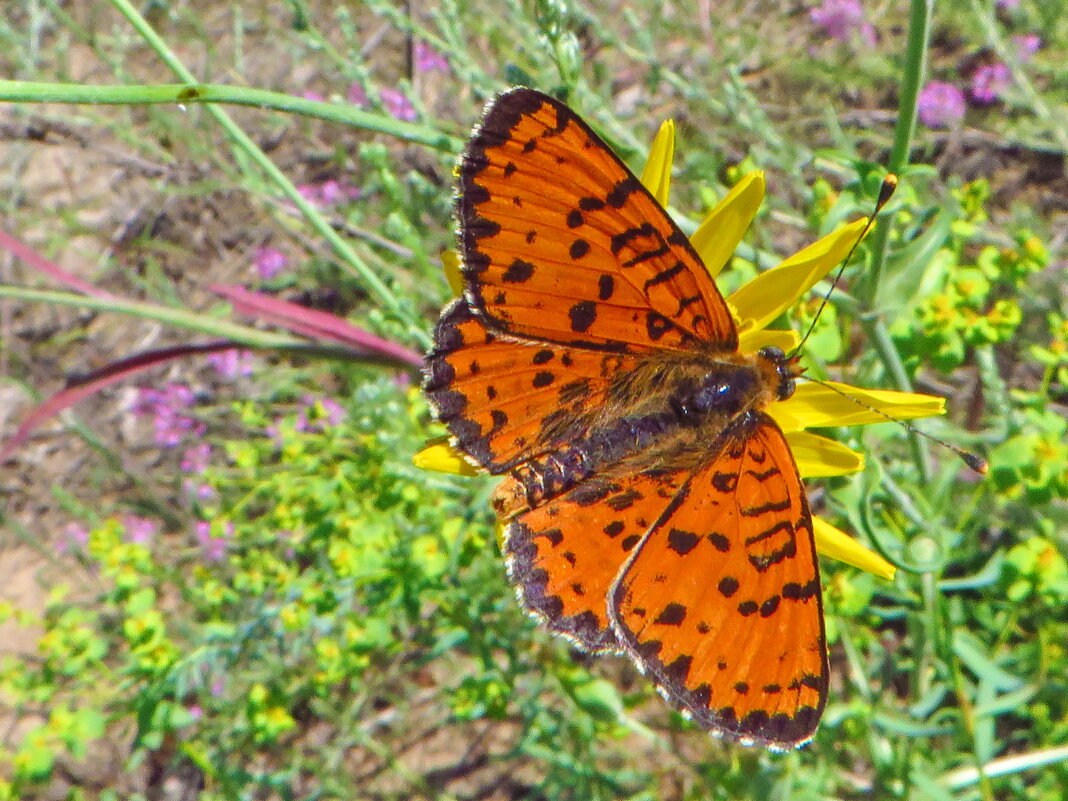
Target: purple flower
(213, 548)
(317, 414)
(269, 262)
(357, 96)
(309, 95)
(196, 458)
(173, 396)
(329, 193)
(166, 407)
(990, 81)
(274, 433)
(1008, 5)
(398, 105)
(74, 537)
(334, 192)
(139, 530)
(940, 105)
(1026, 44)
(195, 490)
(842, 20)
(428, 59)
(171, 427)
(232, 363)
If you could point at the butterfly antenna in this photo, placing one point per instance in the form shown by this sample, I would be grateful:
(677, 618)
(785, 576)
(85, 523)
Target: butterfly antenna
(886, 191)
(973, 460)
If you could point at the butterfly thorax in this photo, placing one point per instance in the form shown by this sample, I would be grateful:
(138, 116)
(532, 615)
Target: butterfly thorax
(669, 413)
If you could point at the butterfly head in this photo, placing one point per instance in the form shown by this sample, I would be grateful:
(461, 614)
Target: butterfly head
(784, 369)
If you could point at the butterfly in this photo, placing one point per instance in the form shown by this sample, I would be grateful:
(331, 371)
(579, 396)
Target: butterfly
(650, 506)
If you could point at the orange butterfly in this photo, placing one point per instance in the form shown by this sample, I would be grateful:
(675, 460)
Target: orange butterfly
(650, 505)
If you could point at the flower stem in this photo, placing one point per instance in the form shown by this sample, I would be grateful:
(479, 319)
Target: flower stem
(868, 291)
(912, 79)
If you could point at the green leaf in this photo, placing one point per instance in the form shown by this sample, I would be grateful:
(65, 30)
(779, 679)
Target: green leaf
(972, 652)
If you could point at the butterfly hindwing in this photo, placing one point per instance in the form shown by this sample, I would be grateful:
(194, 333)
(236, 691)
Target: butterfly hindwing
(563, 555)
(720, 602)
(561, 242)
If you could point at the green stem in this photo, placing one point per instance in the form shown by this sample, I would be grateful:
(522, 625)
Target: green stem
(244, 336)
(911, 81)
(178, 318)
(868, 290)
(186, 94)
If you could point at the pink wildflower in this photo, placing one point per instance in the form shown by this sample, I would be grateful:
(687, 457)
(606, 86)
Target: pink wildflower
(196, 458)
(357, 96)
(232, 363)
(74, 537)
(196, 490)
(428, 59)
(990, 82)
(317, 414)
(842, 20)
(1026, 44)
(167, 407)
(139, 530)
(270, 262)
(940, 105)
(329, 193)
(213, 548)
(398, 105)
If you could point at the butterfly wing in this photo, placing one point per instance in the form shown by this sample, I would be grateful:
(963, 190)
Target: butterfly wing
(720, 601)
(562, 243)
(563, 555)
(507, 400)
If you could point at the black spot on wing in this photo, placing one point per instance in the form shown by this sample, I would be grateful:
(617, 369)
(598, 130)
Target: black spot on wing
(582, 315)
(518, 272)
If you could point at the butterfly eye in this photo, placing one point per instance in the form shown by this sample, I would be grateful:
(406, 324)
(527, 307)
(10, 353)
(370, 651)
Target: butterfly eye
(773, 354)
(786, 387)
(786, 377)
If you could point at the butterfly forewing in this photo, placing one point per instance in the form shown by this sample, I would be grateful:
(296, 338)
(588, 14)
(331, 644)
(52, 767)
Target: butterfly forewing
(507, 400)
(561, 242)
(720, 602)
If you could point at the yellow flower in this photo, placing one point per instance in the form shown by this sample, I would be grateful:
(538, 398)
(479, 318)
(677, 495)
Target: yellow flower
(754, 306)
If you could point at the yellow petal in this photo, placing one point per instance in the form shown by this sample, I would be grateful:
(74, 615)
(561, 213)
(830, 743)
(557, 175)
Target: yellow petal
(819, 457)
(752, 341)
(441, 457)
(656, 177)
(717, 237)
(836, 544)
(450, 260)
(815, 405)
(770, 294)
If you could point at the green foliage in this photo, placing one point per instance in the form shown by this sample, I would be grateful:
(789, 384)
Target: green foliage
(960, 303)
